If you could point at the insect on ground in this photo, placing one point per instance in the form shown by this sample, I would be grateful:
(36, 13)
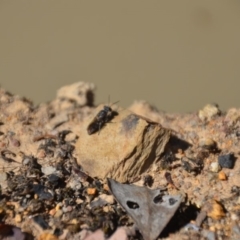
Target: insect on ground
(104, 116)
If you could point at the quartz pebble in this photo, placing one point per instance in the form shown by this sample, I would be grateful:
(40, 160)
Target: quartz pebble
(91, 191)
(214, 167)
(108, 198)
(48, 170)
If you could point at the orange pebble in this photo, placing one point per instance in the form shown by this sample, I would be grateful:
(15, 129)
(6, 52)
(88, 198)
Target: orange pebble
(222, 176)
(215, 210)
(52, 212)
(91, 191)
(47, 236)
(106, 188)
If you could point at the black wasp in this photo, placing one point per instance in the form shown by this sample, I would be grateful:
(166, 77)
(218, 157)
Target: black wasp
(103, 117)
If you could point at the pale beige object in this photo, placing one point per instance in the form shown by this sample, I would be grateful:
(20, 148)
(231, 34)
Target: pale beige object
(78, 92)
(123, 149)
(209, 112)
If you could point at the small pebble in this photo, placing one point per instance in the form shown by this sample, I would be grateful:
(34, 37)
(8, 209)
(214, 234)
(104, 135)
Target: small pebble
(209, 235)
(75, 184)
(67, 209)
(207, 143)
(52, 212)
(58, 214)
(47, 236)
(3, 177)
(58, 206)
(41, 154)
(234, 217)
(18, 218)
(209, 112)
(2, 144)
(222, 176)
(215, 167)
(108, 198)
(215, 210)
(91, 191)
(236, 229)
(188, 185)
(106, 208)
(15, 142)
(232, 116)
(106, 188)
(226, 161)
(26, 161)
(48, 170)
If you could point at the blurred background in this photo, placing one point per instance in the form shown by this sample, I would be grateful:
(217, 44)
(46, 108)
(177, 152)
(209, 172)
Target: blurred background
(177, 55)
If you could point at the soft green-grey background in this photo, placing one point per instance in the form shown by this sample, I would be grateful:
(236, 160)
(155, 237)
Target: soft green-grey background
(178, 55)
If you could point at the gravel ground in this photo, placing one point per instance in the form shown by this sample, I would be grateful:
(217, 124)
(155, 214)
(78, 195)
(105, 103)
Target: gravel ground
(45, 194)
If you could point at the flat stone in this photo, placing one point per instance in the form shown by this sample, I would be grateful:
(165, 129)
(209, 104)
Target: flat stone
(122, 149)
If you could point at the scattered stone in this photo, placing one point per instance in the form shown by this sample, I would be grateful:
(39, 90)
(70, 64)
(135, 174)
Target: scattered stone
(74, 183)
(208, 143)
(222, 176)
(91, 191)
(98, 203)
(48, 170)
(67, 209)
(226, 161)
(235, 230)
(209, 235)
(106, 188)
(47, 236)
(214, 210)
(58, 214)
(79, 92)
(234, 217)
(34, 137)
(232, 116)
(42, 192)
(52, 212)
(3, 180)
(121, 150)
(58, 206)
(215, 167)
(209, 112)
(15, 142)
(108, 198)
(41, 154)
(18, 218)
